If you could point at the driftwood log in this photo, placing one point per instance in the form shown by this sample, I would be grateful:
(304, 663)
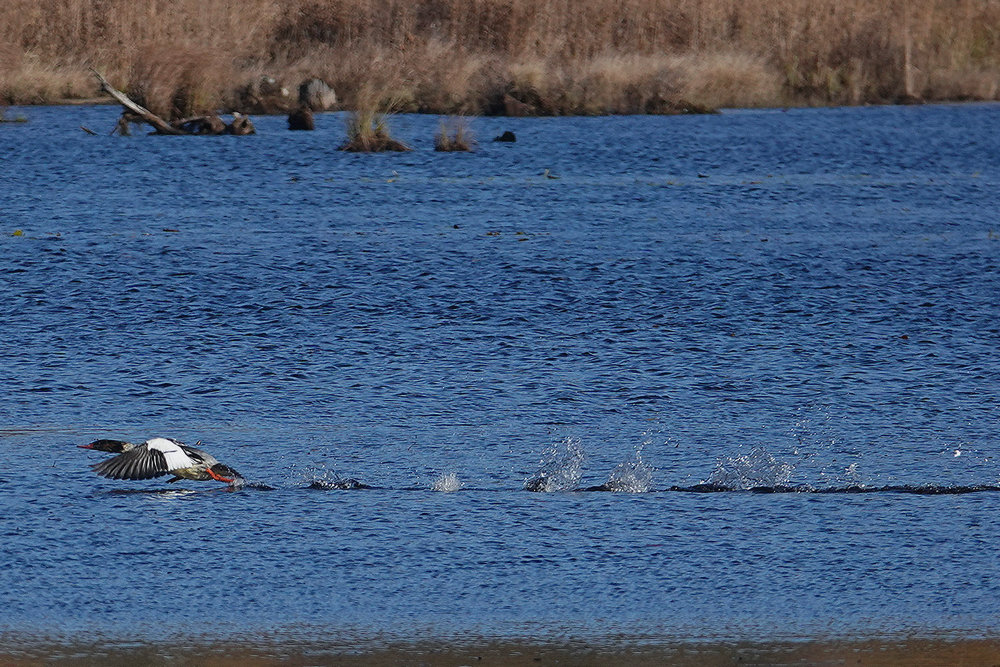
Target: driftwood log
(160, 125)
(210, 124)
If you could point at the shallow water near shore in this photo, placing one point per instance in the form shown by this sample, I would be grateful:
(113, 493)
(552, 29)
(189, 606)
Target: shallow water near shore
(747, 363)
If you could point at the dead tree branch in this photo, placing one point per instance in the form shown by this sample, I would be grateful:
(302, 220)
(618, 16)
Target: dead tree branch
(161, 126)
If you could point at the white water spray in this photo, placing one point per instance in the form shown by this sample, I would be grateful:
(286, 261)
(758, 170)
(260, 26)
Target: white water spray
(447, 482)
(561, 468)
(631, 476)
(756, 468)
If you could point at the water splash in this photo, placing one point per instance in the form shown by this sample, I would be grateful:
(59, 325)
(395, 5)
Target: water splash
(852, 476)
(339, 484)
(447, 482)
(754, 469)
(322, 478)
(631, 476)
(561, 468)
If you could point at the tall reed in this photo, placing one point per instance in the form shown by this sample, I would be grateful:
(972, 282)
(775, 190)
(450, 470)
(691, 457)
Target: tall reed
(368, 126)
(454, 136)
(556, 56)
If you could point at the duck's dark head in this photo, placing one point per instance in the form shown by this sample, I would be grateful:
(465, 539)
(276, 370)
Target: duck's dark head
(224, 473)
(113, 446)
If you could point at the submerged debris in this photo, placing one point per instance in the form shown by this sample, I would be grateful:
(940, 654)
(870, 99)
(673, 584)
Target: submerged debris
(4, 119)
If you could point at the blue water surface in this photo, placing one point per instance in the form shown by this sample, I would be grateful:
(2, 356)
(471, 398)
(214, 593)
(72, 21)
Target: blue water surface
(805, 302)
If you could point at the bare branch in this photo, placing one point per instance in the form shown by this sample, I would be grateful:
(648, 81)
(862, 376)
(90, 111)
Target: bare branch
(161, 125)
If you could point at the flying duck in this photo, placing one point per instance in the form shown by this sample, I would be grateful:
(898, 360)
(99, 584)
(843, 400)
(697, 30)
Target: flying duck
(159, 456)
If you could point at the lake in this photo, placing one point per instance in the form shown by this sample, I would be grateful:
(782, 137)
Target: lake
(748, 362)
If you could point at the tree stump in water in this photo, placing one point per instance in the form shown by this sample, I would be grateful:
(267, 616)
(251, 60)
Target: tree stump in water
(241, 125)
(301, 119)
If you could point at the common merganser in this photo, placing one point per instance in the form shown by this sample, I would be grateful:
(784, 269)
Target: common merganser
(157, 457)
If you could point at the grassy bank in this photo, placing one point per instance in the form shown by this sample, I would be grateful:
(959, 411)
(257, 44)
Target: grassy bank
(506, 56)
(224, 653)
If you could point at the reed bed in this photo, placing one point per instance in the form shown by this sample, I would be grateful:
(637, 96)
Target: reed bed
(508, 56)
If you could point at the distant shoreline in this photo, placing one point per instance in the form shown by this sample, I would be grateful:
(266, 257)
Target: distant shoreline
(518, 652)
(513, 58)
(108, 102)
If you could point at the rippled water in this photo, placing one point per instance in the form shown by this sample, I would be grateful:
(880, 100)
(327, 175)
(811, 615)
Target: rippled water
(804, 303)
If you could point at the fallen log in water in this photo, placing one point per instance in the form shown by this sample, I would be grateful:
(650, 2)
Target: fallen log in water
(161, 126)
(209, 124)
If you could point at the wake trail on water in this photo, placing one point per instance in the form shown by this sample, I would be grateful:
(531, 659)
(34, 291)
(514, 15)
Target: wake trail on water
(351, 484)
(560, 470)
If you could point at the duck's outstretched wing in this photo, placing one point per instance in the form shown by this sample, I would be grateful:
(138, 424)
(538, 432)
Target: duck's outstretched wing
(154, 458)
(138, 463)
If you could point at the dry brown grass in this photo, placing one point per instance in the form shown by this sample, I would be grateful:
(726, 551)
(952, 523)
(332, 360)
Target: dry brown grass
(178, 83)
(454, 136)
(465, 56)
(368, 125)
(34, 80)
